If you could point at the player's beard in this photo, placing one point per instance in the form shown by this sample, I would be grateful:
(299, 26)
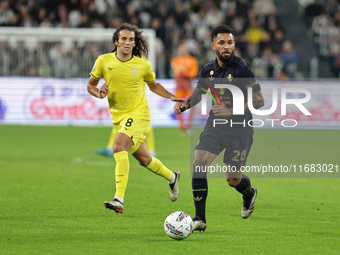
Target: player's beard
(225, 60)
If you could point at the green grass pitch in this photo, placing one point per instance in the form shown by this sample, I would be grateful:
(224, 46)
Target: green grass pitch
(52, 189)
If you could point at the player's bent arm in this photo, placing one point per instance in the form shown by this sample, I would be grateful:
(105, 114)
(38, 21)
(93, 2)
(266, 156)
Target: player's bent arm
(158, 89)
(92, 87)
(94, 91)
(258, 101)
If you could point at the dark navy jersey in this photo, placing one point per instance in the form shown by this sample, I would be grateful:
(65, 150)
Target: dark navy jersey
(238, 73)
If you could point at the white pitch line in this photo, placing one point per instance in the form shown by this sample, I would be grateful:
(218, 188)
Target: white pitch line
(81, 160)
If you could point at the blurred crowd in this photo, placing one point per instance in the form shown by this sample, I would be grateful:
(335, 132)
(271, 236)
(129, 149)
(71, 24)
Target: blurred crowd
(323, 18)
(260, 38)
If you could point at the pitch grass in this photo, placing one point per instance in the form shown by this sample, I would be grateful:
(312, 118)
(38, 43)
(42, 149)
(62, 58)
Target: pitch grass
(52, 189)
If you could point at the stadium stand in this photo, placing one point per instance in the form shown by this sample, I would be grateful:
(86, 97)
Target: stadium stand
(260, 28)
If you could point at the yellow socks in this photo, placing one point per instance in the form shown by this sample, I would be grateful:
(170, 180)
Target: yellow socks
(157, 167)
(121, 172)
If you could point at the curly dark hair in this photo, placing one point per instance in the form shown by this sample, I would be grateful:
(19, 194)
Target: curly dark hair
(142, 46)
(223, 29)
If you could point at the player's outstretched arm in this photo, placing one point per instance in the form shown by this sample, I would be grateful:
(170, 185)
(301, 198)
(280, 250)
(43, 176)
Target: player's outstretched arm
(193, 99)
(102, 92)
(158, 89)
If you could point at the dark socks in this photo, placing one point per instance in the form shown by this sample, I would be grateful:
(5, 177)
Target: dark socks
(200, 193)
(244, 187)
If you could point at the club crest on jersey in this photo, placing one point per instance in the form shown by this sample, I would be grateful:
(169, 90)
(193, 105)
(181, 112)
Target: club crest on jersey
(211, 75)
(134, 70)
(230, 78)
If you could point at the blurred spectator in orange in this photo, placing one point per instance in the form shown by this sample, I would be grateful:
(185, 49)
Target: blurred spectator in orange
(185, 67)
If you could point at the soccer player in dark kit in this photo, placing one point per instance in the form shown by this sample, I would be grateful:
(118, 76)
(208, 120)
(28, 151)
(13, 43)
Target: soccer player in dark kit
(236, 135)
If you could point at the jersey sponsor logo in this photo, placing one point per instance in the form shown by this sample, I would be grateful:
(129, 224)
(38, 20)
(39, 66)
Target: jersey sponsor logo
(251, 84)
(110, 68)
(94, 66)
(134, 70)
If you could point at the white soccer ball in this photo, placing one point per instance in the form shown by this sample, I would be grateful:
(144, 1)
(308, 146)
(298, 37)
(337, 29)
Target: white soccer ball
(178, 225)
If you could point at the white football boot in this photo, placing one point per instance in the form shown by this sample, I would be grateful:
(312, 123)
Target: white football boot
(114, 205)
(173, 188)
(248, 206)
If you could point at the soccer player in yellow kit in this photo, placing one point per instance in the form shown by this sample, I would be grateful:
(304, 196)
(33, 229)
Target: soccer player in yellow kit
(125, 71)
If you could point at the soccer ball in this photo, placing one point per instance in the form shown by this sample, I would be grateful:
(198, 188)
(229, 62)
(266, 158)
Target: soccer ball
(178, 225)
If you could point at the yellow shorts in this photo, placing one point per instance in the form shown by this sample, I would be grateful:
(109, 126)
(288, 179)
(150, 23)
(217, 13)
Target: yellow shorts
(134, 125)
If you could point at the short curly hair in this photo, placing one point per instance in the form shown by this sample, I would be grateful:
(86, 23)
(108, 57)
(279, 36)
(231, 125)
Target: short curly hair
(223, 29)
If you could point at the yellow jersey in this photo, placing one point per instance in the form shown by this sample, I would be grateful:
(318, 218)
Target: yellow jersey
(125, 81)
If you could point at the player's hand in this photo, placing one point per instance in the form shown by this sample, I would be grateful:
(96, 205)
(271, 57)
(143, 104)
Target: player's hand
(177, 99)
(180, 107)
(222, 110)
(103, 91)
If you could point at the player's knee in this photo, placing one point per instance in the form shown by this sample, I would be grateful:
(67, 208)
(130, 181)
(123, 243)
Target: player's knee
(196, 166)
(117, 148)
(199, 170)
(199, 163)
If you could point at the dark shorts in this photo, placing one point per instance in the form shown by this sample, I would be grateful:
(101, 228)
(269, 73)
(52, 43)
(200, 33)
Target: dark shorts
(236, 147)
